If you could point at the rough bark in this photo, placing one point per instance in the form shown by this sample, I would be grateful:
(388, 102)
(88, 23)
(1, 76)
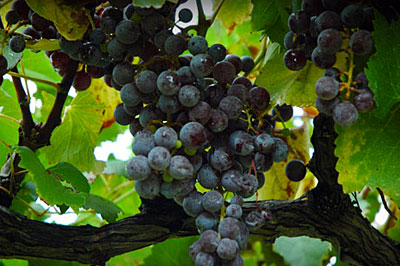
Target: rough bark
(325, 213)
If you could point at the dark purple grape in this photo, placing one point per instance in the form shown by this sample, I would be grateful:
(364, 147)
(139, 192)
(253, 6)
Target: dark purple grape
(259, 98)
(192, 204)
(81, 81)
(153, 24)
(185, 15)
(299, 22)
(138, 168)
(263, 161)
(168, 82)
(201, 65)
(189, 95)
(295, 59)
(322, 60)
(204, 259)
(362, 80)
(345, 114)
(193, 135)
(143, 142)
(149, 187)
(212, 201)
(285, 112)
(235, 61)
(243, 81)
(239, 91)
(295, 170)
(200, 112)
(234, 210)
(217, 52)
(197, 45)
(169, 104)
(231, 180)
(328, 20)
(364, 101)
(166, 137)
(221, 159)
(248, 186)
(232, 106)
(229, 228)
(12, 17)
(130, 95)
(248, 63)
(241, 142)
(214, 94)
(312, 7)
(330, 41)
(361, 42)
(159, 158)
(281, 150)
(206, 221)
(218, 121)
(146, 81)
(227, 249)
(224, 72)
(255, 220)
(333, 72)
(327, 88)
(185, 75)
(326, 107)
(352, 16)
(17, 44)
(175, 45)
(207, 177)
(123, 73)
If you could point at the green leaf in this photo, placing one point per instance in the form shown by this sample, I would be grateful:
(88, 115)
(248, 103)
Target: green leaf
(12, 58)
(9, 128)
(43, 44)
(173, 252)
(301, 251)
(131, 258)
(75, 139)
(70, 19)
(394, 232)
(48, 186)
(296, 88)
(38, 65)
(234, 13)
(271, 17)
(368, 153)
(108, 210)
(149, 3)
(27, 193)
(48, 262)
(384, 67)
(13, 262)
(72, 175)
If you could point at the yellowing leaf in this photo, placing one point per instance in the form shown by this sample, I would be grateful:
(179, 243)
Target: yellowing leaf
(234, 12)
(277, 185)
(70, 20)
(74, 140)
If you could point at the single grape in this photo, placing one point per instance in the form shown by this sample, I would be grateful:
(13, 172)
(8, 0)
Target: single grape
(238, 200)
(321, 59)
(217, 52)
(180, 167)
(204, 259)
(185, 15)
(243, 81)
(192, 204)
(39, 23)
(362, 80)
(212, 201)
(327, 88)
(107, 25)
(352, 16)
(240, 91)
(159, 158)
(161, 37)
(200, 113)
(361, 42)
(148, 114)
(248, 63)
(312, 7)
(263, 161)
(333, 72)
(197, 45)
(299, 22)
(214, 94)
(31, 32)
(166, 137)
(69, 47)
(193, 135)
(295, 59)
(281, 150)
(143, 142)
(285, 112)
(169, 104)
(207, 177)
(328, 20)
(255, 220)
(221, 159)
(209, 239)
(295, 170)
(138, 168)
(185, 75)
(364, 102)
(232, 106)
(227, 249)
(241, 142)
(189, 95)
(149, 187)
(95, 72)
(229, 228)
(234, 210)
(146, 81)
(121, 116)
(168, 82)
(17, 44)
(224, 72)
(153, 24)
(248, 186)
(330, 41)
(259, 98)
(130, 95)
(201, 65)
(175, 45)
(218, 121)
(231, 180)
(123, 73)
(326, 107)
(235, 61)
(12, 17)
(345, 114)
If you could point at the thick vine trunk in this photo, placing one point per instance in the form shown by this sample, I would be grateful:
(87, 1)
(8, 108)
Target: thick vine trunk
(325, 213)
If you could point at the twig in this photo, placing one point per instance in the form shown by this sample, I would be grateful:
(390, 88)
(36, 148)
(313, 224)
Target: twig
(203, 24)
(385, 203)
(10, 118)
(54, 118)
(17, 75)
(27, 122)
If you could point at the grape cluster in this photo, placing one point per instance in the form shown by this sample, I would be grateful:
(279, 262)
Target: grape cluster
(317, 33)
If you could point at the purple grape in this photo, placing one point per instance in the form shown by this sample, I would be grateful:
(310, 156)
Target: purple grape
(322, 60)
(295, 59)
(243, 81)
(192, 204)
(193, 135)
(248, 186)
(218, 121)
(227, 249)
(146, 81)
(264, 143)
(130, 94)
(143, 142)
(232, 106)
(185, 75)
(138, 168)
(229, 228)
(206, 221)
(345, 114)
(240, 91)
(201, 65)
(214, 94)
(231, 180)
(327, 88)
(235, 61)
(238, 200)
(361, 42)
(221, 159)
(204, 259)
(217, 52)
(207, 177)
(364, 102)
(299, 22)
(295, 170)
(326, 107)
(166, 137)
(248, 63)
(168, 83)
(197, 45)
(328, 20)
(234, 210)
(209, 240)
(224, 72)
(169, 104)
(255, 220)
(200, 112)
(180, 167)
(148, 188)
(263, 161)
(259, 98)
(281, 150)
(212, 201)
(241, 142)
(330, 41)
(189, 95)
(159, 158)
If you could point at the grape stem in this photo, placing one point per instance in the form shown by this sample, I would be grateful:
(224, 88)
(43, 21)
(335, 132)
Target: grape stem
(385, 204)
(348, 85)
(17, 75)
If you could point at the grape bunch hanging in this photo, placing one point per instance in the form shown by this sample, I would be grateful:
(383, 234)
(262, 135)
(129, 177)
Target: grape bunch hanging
(197, 120)
(317, 33)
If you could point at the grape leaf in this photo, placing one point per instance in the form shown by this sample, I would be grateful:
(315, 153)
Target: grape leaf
(43, 44)
(271, 17)
(149, 3)
(296, 88)
(368, 153)
(10, 109)
(70, 19)
(173, 252)
(234, 13)
(277, 185)
(108, 210)
(72, 175)
(49, 187)
(12, 57)
(74, 140)
(384, 66)
(299, 251)
(38, 65)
